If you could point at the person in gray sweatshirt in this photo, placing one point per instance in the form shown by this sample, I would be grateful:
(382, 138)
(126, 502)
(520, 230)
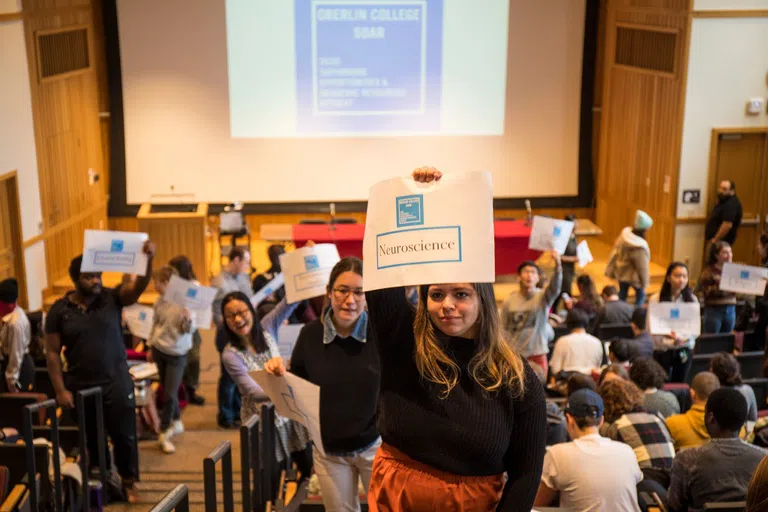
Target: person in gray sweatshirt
(525, 313)
(170, 340)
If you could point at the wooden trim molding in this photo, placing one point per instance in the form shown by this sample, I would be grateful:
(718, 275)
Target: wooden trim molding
(732, 13)
(67, 223)
(9, 175)
(690, 220)
(11, 16)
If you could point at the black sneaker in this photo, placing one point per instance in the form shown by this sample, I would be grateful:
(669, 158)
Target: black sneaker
(227, 425)
(196, 399)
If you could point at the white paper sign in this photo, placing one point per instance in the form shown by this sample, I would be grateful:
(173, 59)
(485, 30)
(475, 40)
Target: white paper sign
(584, 254)
(139, 318)
(230, 222)
(423, 233)
(680, 318)
(271, 287)
(296, 399)
(306, 271)
(114, 251)
(286, 338)
(744, 279)
(196, 298)
(550, 234)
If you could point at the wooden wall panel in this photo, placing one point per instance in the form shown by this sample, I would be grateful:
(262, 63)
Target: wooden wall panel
(642, 124)
(67, 134)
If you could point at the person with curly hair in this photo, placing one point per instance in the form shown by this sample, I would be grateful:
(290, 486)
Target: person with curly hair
(649, 376)
(627, 421)
(728, 371)
(615, 371)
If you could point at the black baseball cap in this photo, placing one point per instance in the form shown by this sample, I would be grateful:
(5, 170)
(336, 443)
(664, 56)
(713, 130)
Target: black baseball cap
(584, 403)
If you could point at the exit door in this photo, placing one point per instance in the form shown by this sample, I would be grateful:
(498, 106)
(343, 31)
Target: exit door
(743, 158)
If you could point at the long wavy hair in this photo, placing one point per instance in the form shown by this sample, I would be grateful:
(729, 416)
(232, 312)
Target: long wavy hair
(495, 365)
(665, 295)
(183, 266)
(714, 251)
(588, 290)
(619, 398)
(256, 339)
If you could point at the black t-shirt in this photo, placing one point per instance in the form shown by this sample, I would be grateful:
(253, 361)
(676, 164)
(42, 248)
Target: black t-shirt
(92, 339)
(728, 210)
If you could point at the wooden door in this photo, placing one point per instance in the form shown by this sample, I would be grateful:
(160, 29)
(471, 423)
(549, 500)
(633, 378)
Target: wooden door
(741, 157)
(11, 252)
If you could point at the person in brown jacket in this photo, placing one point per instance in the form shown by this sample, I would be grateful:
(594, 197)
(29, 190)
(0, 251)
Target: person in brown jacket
(630, 258)
(688, 429)
(719, 306)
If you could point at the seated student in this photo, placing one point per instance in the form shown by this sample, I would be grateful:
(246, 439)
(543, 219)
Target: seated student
(589, 301)
(642, 344)
(525, 313)
(613, 372)
(649, 376)
(688, 430)
(720, 469)
(613, 310)
(728, 371)
(591, 473)
(757, 493)
(620, 352)
(627, 421)
(577, 351)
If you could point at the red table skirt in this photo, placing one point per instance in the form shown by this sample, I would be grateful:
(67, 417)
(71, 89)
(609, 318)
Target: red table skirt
(511, 241)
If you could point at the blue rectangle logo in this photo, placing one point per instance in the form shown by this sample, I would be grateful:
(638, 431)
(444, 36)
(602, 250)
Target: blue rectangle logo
(744, 274)
(142, 316)
(674, 314)
(311, 262)
(117, 246)
(191, 293)
(556, 232)
(410, 210)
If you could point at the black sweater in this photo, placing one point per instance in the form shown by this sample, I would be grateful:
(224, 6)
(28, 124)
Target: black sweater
(348, 373)
(468, 433)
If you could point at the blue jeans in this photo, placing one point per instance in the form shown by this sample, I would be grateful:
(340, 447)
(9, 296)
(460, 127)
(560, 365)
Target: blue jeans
(171, 370)
(719, 319)
(624, 293)
(228, 397)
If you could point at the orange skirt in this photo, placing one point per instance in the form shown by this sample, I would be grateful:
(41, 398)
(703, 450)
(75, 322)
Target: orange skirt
(400, 484)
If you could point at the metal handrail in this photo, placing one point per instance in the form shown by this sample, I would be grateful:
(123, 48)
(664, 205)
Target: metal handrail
(177, 499)
(222, 452)
(32, 409)
(80, 398)
(250, 465)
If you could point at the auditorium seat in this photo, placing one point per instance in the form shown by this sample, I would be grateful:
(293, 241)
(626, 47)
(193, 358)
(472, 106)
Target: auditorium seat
(700, 364)
(4, 483)
(13, 407)
(751, 364)
(727, 506)
(760, 387)
(13, 456)
(682, 392)
(560, 331)
(609, 332)
(714, 343)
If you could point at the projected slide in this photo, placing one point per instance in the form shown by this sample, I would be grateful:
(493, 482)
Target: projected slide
(345, 68)
(368, 66)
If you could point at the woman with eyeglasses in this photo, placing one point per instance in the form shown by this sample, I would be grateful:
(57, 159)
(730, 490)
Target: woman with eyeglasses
(250, 345)
(458, 408)
(337, 353)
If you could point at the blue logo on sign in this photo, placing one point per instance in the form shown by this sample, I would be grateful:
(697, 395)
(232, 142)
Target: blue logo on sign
(410, 210)
(117, 246)
(744, 274)
(142, 316)
(311, 262)
(557, 231)
(674, 314)
(191, 293)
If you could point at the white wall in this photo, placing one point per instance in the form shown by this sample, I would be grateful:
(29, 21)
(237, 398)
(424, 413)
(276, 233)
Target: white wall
(17, 144)
(727, 66)
(704, 5)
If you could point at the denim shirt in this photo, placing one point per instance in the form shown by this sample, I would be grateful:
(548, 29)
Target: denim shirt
(360, 332)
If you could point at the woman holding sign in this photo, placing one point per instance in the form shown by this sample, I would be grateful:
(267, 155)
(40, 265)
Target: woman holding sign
(337, 353)
(719, 306)
(250, 345)
(458, 407)
(675, 352)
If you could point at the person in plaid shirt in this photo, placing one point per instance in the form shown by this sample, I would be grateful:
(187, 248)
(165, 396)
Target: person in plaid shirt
(646, 433)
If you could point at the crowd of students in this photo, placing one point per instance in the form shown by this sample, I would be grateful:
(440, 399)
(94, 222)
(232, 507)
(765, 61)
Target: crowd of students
(431, 398)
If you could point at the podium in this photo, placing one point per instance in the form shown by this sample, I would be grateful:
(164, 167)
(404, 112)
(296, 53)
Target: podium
(176, 233)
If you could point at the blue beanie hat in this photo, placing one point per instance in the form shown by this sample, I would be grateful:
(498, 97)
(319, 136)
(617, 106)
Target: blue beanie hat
(643, 221)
